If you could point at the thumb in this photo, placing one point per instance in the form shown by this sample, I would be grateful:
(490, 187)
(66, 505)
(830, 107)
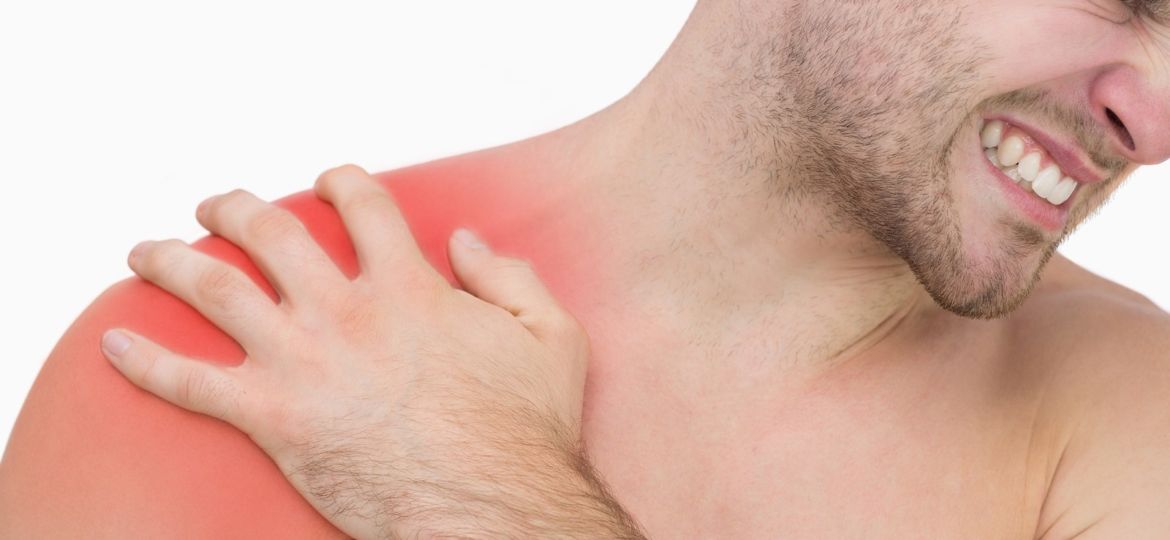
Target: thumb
(191, 384)
(506, 282)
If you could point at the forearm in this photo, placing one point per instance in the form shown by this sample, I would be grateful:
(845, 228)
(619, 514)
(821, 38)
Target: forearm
(553, 498)
(531, 483)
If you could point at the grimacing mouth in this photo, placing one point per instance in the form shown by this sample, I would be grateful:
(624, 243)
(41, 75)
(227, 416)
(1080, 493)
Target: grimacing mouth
(1027, 162)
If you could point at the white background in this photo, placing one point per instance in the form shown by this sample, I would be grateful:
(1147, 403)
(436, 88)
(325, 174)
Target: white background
(118, 117)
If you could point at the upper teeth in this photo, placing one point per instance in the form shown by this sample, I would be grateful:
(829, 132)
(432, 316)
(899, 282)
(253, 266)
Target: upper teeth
(1012, 157)
(1011, 151)
(1030, 166)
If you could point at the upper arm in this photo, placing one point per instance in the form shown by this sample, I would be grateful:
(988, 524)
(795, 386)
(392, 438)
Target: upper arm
(91, 455)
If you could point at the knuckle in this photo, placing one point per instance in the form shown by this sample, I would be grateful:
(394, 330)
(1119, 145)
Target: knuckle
(324, 183)
(214, 206)
(568, 330)
(356, 315)
(331, 177)
(220, 203)
(145, 257)
(171, 244)
(569, 326)
(211, 394)
(147, 360)
(219, 285)
(271, 223)
(348, 169)
(236, 193)
(514, 265)
(572, 325)
(162, 257)
(371, 201)
(415, 289)
(190, 389)
(356, 320)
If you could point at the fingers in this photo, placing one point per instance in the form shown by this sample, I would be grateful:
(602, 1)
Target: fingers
(191, 384)
(221, 292)
(276, 241)
(380, 236)
(511, 284)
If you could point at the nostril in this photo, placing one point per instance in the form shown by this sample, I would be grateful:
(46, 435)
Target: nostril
(1122, 132)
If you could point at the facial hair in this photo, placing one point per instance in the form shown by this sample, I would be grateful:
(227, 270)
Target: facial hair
(876, 94)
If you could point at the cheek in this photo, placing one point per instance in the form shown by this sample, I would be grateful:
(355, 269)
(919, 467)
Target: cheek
(1095, 199)
(1043, 41)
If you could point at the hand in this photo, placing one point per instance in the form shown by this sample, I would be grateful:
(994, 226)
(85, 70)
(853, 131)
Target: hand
(396, 404)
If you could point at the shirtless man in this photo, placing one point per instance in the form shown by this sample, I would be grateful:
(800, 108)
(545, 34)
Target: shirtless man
(817, 306)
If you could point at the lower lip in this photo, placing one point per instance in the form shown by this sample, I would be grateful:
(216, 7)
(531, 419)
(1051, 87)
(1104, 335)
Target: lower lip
(1049, 216)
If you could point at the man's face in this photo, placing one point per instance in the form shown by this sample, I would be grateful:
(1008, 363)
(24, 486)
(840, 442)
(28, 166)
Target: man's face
(972, 136)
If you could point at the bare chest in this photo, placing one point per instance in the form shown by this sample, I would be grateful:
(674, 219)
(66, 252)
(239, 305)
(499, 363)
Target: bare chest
(897, 455)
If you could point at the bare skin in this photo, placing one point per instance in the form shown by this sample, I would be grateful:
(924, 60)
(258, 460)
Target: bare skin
(930, 425)
(787, 375)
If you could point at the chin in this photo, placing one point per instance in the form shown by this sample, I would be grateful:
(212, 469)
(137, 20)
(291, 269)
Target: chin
(979, 300)
(983, 283)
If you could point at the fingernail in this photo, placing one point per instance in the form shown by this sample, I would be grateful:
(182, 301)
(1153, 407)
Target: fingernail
(469, 239)
(115, 342)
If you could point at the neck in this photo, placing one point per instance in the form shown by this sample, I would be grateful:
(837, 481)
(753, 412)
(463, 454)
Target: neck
(705, 227)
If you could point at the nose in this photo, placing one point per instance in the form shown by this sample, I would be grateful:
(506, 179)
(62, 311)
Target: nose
(1136, 113)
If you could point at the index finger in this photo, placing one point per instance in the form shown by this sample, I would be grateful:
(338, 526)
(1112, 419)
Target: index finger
(380, 236)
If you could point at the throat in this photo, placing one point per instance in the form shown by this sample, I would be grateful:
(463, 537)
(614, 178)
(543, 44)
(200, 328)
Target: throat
(760, 348)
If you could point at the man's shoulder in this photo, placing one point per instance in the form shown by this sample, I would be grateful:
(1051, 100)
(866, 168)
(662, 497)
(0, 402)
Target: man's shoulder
(1093, 340)
(85, 426)
(434, 197)
(1105, 351)
(489, 188)
(1074, 306)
